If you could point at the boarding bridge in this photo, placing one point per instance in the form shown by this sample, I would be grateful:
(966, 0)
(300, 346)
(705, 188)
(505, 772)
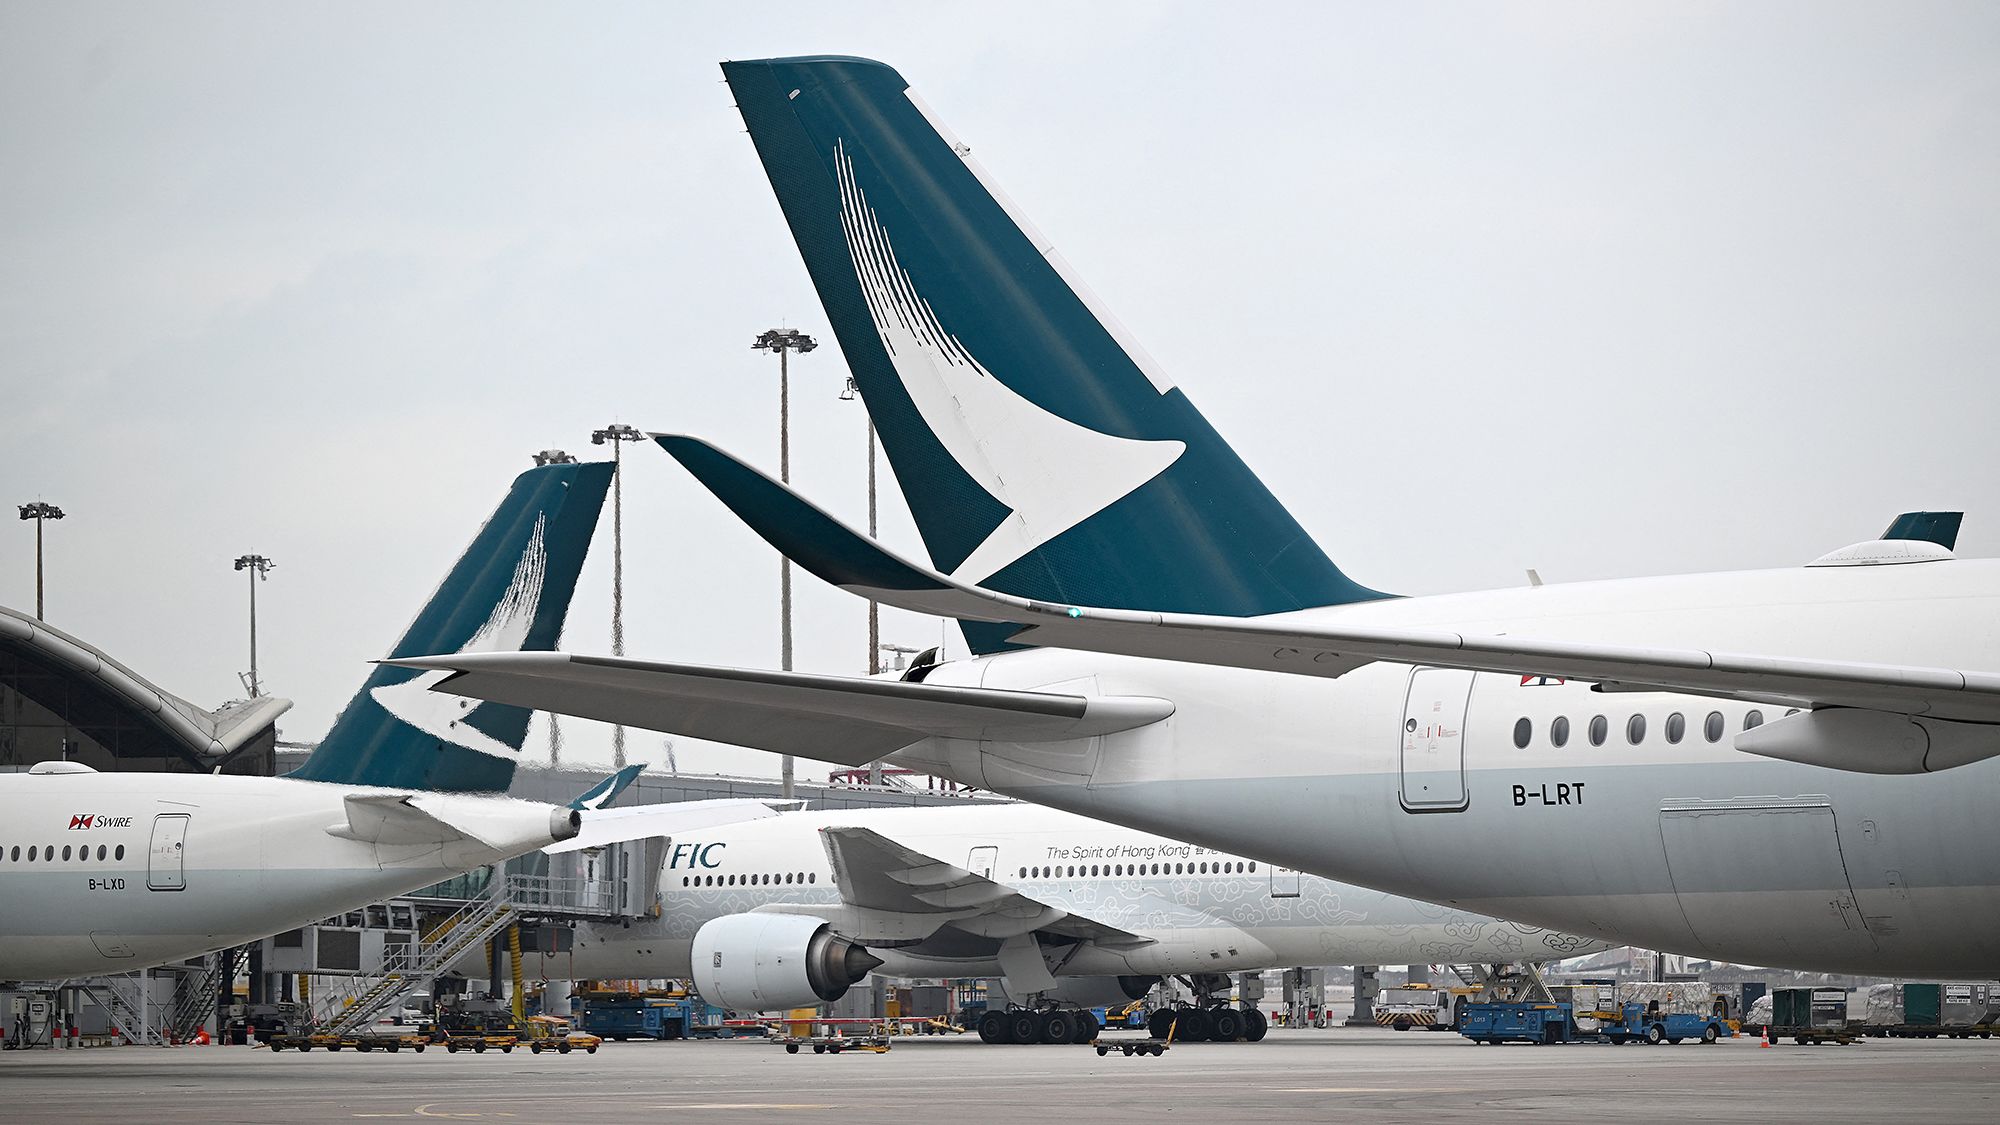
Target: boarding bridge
(384, 963)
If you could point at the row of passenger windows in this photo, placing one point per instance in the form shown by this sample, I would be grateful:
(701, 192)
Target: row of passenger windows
(767, 879)
(1712, 728)
(39, 854)
(1119, 870)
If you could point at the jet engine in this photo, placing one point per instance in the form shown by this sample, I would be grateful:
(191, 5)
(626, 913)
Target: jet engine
(765, 962)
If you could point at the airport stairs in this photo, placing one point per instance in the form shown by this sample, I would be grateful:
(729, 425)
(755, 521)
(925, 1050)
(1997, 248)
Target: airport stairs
(195, 995)
(459, 933)
(123, 998)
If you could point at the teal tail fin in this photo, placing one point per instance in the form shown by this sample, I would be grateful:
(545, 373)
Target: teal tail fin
(1041, 451)
(509, 591)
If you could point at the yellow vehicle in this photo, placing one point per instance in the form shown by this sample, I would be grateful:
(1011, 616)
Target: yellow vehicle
(552, 1033)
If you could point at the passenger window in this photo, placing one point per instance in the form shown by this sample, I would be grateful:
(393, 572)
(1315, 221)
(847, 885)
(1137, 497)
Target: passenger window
(32, 852)
(1600, 728)
(1711, 729)
(812, 877)
(65, 852)
(1676, 728)
(1559, 732)
(100, 853)
(1753, 719)
(120, 853)
(1253, 867)
(1524, 731)
(1635, 729)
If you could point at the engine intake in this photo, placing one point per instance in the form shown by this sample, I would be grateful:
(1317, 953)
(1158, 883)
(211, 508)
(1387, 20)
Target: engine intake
(766, 962)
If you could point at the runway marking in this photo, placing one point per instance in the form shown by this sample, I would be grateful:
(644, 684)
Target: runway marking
(741, 1105)
(425, 1111)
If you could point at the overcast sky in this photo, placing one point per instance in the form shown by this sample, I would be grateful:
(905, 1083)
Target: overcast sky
(1601, 289)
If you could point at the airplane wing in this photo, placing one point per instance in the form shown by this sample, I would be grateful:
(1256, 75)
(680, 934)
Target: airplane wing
(879, 874)
(1907, 719)
(844, 719)
(642, 822)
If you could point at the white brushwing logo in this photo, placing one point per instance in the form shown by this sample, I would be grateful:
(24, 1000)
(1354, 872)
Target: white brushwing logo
(1050, 472)
(505, 630)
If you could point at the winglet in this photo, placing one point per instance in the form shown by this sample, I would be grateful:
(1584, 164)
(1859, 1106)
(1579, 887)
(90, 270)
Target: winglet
(1927, 527)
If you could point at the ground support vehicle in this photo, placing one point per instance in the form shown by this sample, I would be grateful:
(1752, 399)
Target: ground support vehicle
(1526, 1022)
(637, 1015)
(355, 1041)
(552, 1033)
(1415, 1005)
(1642, 1023)
(1129, 1047)
(479, 1042)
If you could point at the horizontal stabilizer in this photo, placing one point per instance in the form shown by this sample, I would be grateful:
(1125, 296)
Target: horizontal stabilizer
(1314, 645)
(430, 818)
(852, 720)
(602, 827)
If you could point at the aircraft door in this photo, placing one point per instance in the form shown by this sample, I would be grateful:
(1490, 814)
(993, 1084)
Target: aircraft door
(982, 860)
(1284, 882)
(164, 871)
(1432, 758)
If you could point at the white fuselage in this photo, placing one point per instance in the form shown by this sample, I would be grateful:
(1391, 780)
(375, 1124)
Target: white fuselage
(1412, 782)
(1197, 909)
(107, 873)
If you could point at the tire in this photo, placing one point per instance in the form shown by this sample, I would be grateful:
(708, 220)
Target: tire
(1160, 1022)
(791, 1048)
(1225, 1025)
(479, 1048)
(419, 1048)
(819, 1048)
(993, 1027)
(1708, 1034)
(1654, 1034)
(1194, 1026)
(507, 1048)
(1057, 1026)
(451, 1048)
(1674, 1042)
(1023, 1027)
(562, 1048)
(1087, 1027)
(1102, 1050)
(1255, 1025)
(590, 1050)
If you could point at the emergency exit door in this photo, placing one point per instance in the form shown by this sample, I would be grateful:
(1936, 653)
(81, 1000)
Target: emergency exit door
(164, 863)
(1432, 757)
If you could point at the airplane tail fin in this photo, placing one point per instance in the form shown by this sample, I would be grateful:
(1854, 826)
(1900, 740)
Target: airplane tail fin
(509, 591)
(1040, 449)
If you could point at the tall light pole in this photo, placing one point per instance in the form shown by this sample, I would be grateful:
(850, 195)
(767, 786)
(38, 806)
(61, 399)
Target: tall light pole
(617, 434)
(785, 341)
(39, 511)
(852, 393)
(260, 569)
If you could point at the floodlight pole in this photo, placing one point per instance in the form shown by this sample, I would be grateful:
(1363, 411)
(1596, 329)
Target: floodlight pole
(617, 434)
(259, 568)
(784, 341)
(39, 511)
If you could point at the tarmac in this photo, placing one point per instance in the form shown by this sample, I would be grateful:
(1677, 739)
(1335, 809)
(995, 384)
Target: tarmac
(1346, 1075)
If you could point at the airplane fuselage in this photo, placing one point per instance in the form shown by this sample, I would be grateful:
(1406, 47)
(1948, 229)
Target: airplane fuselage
(1413, 781)
(107, 873)
(1197, 909)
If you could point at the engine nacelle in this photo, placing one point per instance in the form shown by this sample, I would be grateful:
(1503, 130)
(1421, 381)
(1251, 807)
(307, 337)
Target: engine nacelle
(766, 962)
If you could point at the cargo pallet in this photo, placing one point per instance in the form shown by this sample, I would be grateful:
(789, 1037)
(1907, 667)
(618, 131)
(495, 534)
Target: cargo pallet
(349, 1042)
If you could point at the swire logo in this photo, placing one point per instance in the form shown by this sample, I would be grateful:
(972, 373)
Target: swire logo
(85, 821)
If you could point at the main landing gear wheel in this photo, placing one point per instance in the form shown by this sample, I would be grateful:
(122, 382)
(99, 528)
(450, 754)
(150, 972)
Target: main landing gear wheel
(1194, 1026)
(1160, 1023)
(1023, 1027)
(1087, 1027)
(993, 1027)
(1225, 1025)
(1254, 1025)
(1056, 1026)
